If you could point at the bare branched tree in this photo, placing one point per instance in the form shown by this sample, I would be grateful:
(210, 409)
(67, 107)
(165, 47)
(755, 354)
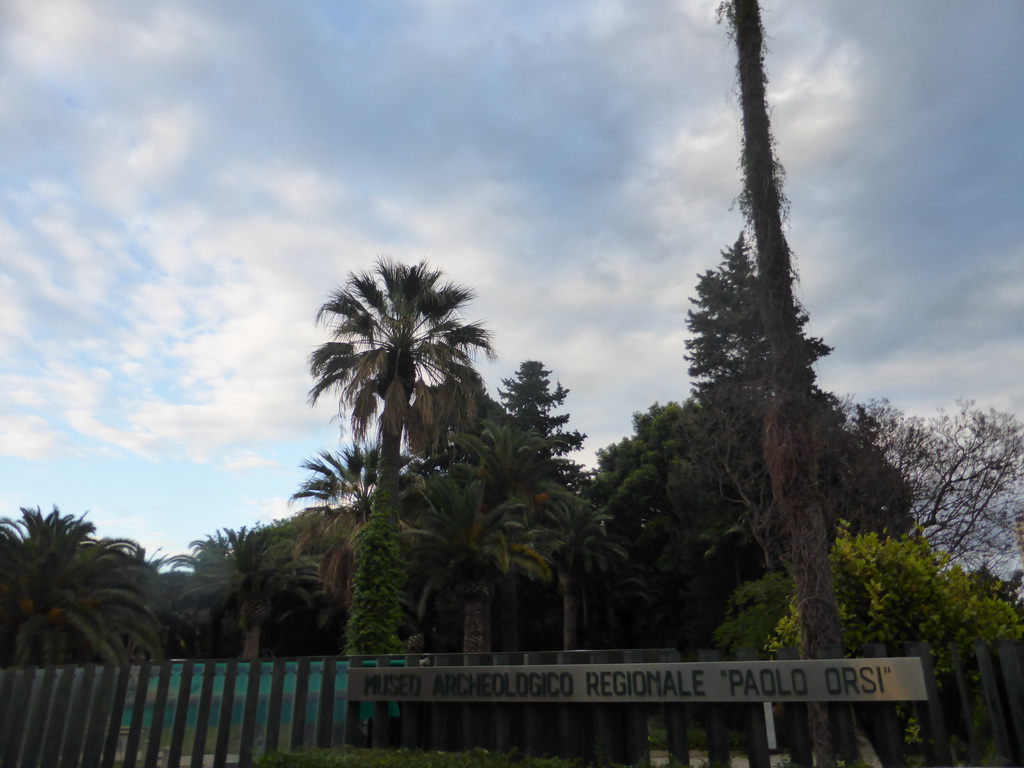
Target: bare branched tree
(965, 470)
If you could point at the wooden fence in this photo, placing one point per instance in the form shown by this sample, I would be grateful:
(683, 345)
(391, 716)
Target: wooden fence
(224, 713)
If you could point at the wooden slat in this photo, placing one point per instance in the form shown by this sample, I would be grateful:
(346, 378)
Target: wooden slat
(14, 733)
(157, 714)
(298, 735)
(138, 713)
(274, 720)
(325, 702)
(796, 723)
(209, 671)
(6, 690)
(38, 711)
(184, 701)
(105, 720)
(81, 694)
(1013, 684)
(227, 705)
(252, 702)
(59, 722)
(929, 713)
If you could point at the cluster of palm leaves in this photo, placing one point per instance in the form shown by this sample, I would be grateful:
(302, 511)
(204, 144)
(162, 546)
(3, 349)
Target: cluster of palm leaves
(68, 596)
(472, 531)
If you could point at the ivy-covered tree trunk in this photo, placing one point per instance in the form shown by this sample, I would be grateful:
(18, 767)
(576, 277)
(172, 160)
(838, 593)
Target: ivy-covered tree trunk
(376, 613)
(792, 437)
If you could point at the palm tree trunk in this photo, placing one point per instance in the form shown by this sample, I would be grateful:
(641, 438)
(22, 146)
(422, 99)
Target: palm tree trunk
(570, 609)
(476, 634)
(391, 466)
(509, 606)
(252, 643)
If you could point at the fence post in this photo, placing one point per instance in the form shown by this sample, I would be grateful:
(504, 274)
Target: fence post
(503, 713)
(840, 717)
(412, 714)
(535, 741)
(755, 727)
(929, 713)
(570, 722)
(380, 729)
(795, 722)
(441, 715)
(473, 715)
(888, 742)
(676, 720)
(716, 722)
(607, 725)
(1013, 684)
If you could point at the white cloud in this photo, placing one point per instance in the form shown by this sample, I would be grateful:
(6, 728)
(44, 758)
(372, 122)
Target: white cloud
(27, 436)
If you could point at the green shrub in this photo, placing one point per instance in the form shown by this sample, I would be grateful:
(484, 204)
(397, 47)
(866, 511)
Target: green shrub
(899, 589)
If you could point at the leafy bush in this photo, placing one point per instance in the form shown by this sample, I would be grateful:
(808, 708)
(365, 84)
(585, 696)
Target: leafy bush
(895, 590)
(755, 609)
(381, 758)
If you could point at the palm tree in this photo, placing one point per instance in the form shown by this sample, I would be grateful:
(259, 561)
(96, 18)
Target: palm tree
(581, 545)
(400, 358)
(346, 479)
(515, 466)
(247, 569)
(341, 486)
(66, 596)
(460, 542)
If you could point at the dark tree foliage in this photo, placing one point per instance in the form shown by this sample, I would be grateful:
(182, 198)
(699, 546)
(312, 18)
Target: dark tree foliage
(688, 548)
(729, 357)
(728, 344)
(531, 403)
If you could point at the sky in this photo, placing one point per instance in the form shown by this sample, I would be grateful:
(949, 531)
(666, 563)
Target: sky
(182, 183)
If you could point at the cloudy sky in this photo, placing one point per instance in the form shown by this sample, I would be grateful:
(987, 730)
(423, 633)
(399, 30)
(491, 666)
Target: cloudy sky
(183, 182)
